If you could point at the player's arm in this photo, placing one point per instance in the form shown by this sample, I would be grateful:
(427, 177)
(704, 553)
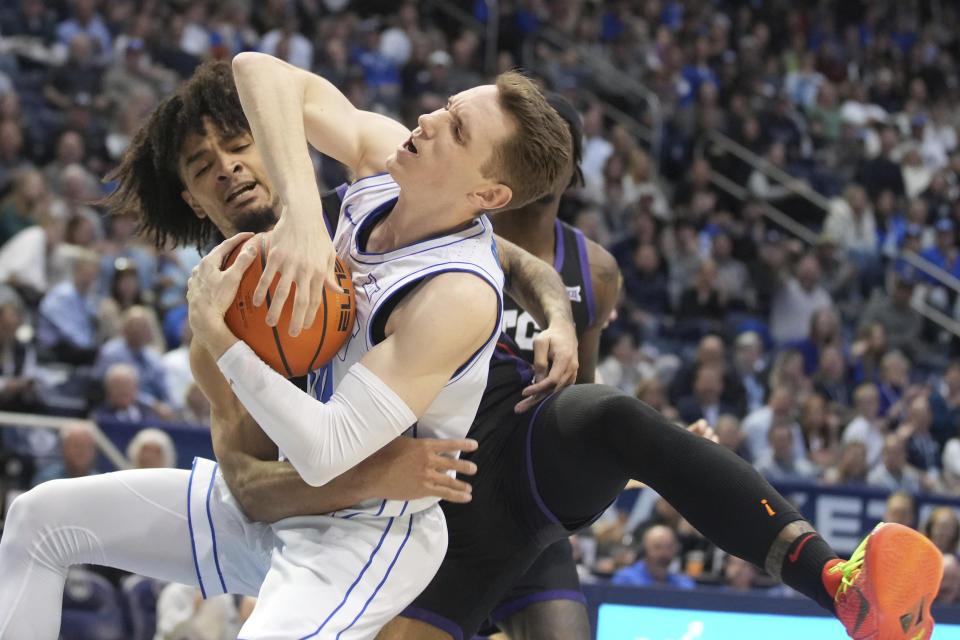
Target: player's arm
(435, 330)
(287, 107)
(605, 277)
(269, 490)
(538, 289)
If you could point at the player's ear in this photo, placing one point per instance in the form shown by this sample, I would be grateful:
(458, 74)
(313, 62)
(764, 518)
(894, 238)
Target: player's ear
(493, 197)
(193, 204)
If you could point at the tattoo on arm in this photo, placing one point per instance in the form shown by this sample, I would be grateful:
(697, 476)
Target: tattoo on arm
(534, 284)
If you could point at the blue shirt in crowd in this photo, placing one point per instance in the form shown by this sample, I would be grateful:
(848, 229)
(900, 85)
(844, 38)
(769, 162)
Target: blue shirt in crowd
(637, 575)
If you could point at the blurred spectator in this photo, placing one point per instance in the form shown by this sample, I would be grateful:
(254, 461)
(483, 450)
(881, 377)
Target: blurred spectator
(821, 430)
(25, 258)
(683, 260)
(70, 151)
(851, 225)
(732, 276)
(831, 379)
(67, 314)
(86, 20)
(867, 351)
(18, 359)
(26, 205)
(748, 364)
(623, 367)
(660, 549)
(287, 43)
(950, 584)
(122, 242)
(80, 80)
(151, 449)
(893, 385)
(651, 391)
(133, 348)
(133, 76)
(788, 370)
(196, 409)
(943, 253)
(705, 402)
(13, 158)
(712, 351)
(923, 452)
(796, 301)
(739, 575)
(176, 367)
(945, 405)
(762, 187)
(647, 296)
(781, 463)
(824, 331)
(893, 473)
(778, 410)
(851, 468)
(121, 386)
(79, 450)
(867, 426)
(124, 294)
(703, 305)
(880, 171)
(901, 508)
(730, 435)
(943, 529)
(902, 325)
(183, 613)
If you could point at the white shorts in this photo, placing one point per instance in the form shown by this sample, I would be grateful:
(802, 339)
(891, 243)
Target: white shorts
(314, 576)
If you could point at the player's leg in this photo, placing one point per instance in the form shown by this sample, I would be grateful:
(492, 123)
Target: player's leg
(345, 578)
(546, 603)
(598, 433)
(132, 520)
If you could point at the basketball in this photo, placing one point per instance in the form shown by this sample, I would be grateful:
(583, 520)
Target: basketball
(290, 356)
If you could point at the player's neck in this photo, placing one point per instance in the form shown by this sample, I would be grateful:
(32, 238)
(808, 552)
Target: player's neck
(530, 227)
(407, 224)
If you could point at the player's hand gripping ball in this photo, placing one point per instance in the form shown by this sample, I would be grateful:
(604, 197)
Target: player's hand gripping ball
(313, 347)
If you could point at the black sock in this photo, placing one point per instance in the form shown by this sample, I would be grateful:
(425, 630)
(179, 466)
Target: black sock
(803, 565)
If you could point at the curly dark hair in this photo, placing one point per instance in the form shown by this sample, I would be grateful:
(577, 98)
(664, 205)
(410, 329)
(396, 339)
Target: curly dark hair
(148, 178)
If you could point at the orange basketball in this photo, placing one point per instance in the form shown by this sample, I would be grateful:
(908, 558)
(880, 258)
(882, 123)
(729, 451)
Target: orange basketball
(290, 356)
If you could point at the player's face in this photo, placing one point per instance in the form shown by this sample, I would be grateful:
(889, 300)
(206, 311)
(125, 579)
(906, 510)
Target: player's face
(226, 182)
(447, 150)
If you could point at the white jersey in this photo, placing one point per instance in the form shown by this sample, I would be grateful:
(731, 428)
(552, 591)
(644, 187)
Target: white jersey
(377, 279)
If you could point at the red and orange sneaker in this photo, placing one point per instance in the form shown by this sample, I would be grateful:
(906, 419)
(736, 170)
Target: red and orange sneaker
(885, 589)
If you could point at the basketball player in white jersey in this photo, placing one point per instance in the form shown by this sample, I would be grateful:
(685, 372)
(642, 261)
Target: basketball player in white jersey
(421, 251)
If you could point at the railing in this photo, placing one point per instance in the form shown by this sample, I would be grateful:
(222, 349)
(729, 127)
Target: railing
(625, 83)
(34, 421)
(721, 141)
(601, 68)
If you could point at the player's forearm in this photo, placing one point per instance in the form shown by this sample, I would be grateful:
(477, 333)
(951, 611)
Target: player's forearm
(269, 491)
(321, 440)
(272, 94)
(534, 284)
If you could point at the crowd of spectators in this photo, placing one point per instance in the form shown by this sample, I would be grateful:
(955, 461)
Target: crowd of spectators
(808, 359)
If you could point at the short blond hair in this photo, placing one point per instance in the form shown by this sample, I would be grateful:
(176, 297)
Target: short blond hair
(539, 152)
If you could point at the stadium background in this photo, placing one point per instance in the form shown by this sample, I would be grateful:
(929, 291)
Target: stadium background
(778, 183)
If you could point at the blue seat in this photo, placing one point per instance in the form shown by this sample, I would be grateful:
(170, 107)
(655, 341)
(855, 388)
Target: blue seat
(91, 608)
(139, 596)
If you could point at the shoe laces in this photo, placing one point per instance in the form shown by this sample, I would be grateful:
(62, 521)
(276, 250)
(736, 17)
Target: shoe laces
(851, 568)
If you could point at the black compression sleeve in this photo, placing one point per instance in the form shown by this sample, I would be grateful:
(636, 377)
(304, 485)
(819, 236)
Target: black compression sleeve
(588, 440)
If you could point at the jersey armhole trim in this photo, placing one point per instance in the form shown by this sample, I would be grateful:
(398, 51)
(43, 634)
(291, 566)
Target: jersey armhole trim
(389, 301)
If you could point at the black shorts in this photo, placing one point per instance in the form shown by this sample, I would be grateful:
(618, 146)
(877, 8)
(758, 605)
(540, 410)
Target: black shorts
(552, 576)
(494, 539)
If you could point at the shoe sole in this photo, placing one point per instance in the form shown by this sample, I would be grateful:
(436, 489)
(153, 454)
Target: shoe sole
(905, 570)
